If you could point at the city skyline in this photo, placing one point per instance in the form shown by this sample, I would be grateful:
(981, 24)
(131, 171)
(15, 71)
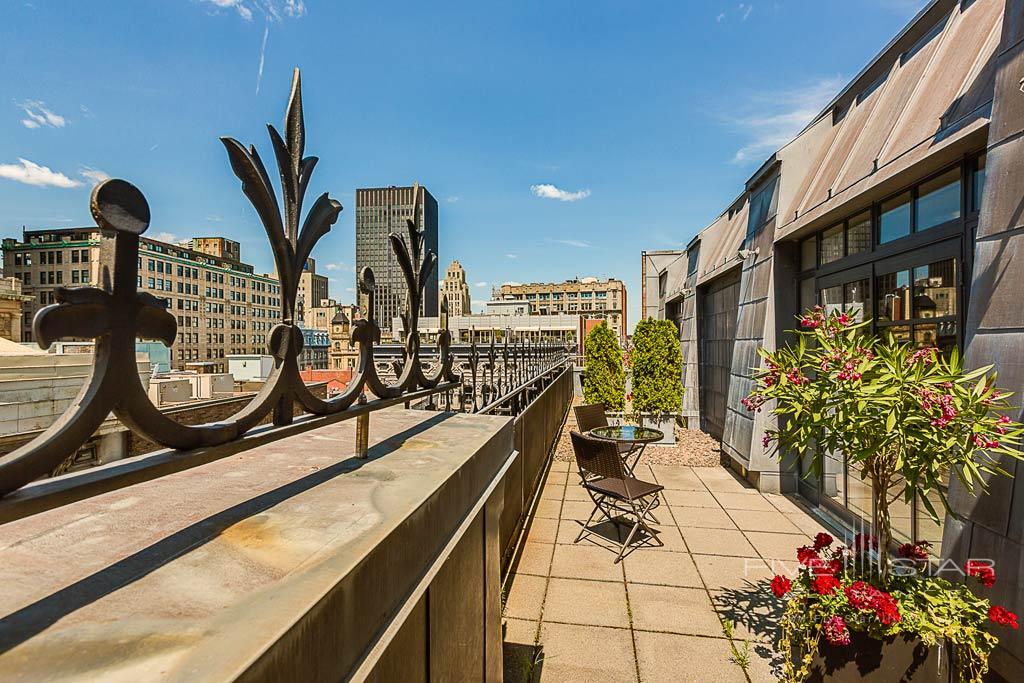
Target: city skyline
(542, 145)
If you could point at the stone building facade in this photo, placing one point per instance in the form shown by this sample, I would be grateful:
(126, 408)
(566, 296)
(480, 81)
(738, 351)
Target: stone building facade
(12, 301)
(899, 202)
(222, 306)
(456, 290)
(588, 297)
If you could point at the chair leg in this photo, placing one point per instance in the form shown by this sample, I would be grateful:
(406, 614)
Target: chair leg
(586, 525)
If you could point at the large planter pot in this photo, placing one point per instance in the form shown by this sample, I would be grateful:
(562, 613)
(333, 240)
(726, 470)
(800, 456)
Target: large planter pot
(869, 660)
(666, 424)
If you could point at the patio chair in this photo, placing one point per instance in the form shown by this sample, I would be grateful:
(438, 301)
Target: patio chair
(616, 495)
(592, 416)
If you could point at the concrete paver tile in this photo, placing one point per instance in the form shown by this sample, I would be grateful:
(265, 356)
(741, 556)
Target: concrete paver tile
(591, 603)
(685, 659)
(595, 654)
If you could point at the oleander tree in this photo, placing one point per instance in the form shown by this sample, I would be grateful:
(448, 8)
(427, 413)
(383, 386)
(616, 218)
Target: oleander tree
(904, 418)
(604, 380)
(657, 367)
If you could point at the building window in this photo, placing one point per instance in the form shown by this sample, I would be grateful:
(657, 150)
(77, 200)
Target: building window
(938, 200)
(832, 244)
(895, 218)
(763, 204)
(977, 183)
(808, 253)
(858, 234)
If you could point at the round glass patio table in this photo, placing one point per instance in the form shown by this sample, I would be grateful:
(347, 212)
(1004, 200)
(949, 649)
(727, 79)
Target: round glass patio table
(637, 437)
(628, 434)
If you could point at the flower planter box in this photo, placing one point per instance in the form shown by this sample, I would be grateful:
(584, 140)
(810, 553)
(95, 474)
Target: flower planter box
(665, 424)
(869, 660)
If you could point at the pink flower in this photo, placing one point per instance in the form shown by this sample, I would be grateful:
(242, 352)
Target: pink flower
(766, 439)
(836, 631)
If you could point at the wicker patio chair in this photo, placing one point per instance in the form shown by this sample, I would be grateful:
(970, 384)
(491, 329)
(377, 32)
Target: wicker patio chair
(616, 495)
(591, 417)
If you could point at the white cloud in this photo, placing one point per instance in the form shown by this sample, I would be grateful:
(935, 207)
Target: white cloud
(777, 117)
(39, 115)
(479, 284)
(165, 237)
(451, 200)
(548, 191)
(274, 10)
(31, 173)
(214, 218)
(350, 289)
(745, 10)
(263, 55)
(580, 244)
(511, 255)
(339, 266)
(511, 283)
(720, 17)
(94, 174)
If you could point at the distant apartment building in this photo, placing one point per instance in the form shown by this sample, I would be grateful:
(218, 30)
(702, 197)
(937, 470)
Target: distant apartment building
(455, 288)
(12, 301)
(343, 355)
(587, 297)
(312, 289)
(379, 212)
(221, 305)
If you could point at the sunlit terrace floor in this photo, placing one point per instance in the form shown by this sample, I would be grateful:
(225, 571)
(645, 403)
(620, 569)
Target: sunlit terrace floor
(572, 614)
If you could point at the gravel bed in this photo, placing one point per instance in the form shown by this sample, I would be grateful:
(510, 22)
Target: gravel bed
(693, 448)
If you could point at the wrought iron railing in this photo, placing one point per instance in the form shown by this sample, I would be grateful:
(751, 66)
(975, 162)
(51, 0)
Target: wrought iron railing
(116, 314)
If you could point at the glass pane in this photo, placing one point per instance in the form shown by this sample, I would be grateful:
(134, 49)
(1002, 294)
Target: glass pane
(858, 234)
(859, 495)
(832, 299)
(978, 183)
(807, 300)
(808, 254)
(925, 335)
(855, 299)
(893, 296)
(935, 289)
(833, 485)
(832, 244)
(900, 333)
(927, 528)
(895, 219)
(945, 335)
(938, 200)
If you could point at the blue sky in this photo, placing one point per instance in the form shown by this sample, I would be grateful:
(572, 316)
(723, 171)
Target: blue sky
(560, 138)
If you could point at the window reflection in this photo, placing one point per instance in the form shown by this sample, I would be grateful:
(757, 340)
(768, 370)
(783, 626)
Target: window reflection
(858, 234)
(808, 254)
(935, 289)
(895, 219)
(832, 244)
(938, 200)
(894, 296)
(978, 183)
(855, 299)
(832, 299)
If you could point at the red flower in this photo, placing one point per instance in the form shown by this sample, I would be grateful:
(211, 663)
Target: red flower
(886, 608)
(864, 542)
(807, 555)
(983, 571)
(1002, 616)
(861, 595)
(781, 585)
(836, 632)
(825, 584)
(914, 551)
(822, 540)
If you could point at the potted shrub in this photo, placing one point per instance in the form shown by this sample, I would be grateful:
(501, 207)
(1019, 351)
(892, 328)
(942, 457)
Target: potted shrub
(903, 419)
(656, 365)
(603, 376)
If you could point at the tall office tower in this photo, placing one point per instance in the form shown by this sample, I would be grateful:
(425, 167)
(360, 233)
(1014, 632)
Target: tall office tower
(454, 287)
(380, 211)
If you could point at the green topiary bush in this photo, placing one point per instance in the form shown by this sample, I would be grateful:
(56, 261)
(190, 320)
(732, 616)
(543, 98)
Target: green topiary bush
(604, 380)
(657, 364)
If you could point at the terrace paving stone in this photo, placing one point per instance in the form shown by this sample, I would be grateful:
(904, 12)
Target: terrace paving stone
(590, 603)
(551, 509)
(690, 499)
(526, 597)
(777, 546)
(585, 562)
(542, 530)
(704, 518)
(677, 478)
(760, 520)
(668, 534)
(785, 504)
(685, 659)
(718, 542)
(731, 573)
(742, 500)
(673, 609)
(602, 534)
(535, 559)
(596, 654)
(577, 509)
(663, 569)
(574, 491)
(519, 650)
(552, 492)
